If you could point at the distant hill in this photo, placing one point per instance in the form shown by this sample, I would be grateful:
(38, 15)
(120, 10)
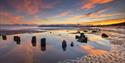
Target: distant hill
(118, 24)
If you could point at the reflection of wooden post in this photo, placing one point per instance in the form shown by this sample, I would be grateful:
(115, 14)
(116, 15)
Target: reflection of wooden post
(43, 44)
(4, 37)
(72, 44)
(34, 41)
(64, 45)
(17, 39)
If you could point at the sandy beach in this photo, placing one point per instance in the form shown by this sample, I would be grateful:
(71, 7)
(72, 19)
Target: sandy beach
(115, 55)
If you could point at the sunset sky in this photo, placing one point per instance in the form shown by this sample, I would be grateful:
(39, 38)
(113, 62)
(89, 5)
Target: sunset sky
(60, 11)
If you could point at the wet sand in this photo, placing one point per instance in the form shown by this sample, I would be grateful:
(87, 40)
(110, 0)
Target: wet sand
(115, 55)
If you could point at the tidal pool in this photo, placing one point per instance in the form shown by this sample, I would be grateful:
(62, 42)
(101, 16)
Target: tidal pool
(51, 49)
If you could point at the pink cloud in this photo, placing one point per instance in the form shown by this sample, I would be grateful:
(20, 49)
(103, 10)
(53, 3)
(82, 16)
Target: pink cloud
(30, 7)
(6, 17)
(92, 3)
(9, 18)
(101, 13)
(62, 14)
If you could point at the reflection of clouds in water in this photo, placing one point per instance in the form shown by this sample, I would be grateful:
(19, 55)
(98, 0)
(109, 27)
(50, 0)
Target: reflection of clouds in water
(98, 40)
(26, 52)
(92, 51)
(5, 43)
(22, 52)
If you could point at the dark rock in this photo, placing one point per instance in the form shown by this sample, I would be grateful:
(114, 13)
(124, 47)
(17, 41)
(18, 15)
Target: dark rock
(83, 40)
(104, 35)
(82, 35)
(94, 31)
(76, 37)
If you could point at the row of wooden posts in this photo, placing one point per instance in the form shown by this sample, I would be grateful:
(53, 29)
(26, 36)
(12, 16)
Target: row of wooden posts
(17, 39)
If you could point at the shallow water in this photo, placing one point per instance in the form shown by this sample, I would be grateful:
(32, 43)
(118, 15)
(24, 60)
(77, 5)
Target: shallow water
(52, 51)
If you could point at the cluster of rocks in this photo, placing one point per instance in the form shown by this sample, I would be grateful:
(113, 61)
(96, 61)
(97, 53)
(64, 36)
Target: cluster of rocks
(82, 38)
(116, 55)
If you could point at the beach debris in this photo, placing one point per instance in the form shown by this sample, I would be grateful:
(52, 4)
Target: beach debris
(104, 35)
(43, 44)
(33, 41)
(64, 45)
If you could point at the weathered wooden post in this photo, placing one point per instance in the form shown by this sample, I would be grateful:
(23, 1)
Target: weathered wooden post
(17, 39)
(43, 44)
(33, 41)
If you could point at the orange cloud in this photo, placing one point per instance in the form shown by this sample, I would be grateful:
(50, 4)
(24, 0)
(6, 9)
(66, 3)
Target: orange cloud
(92, 51)
(30, 7)
(92, 3)
(105, 22)
(8, 18)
